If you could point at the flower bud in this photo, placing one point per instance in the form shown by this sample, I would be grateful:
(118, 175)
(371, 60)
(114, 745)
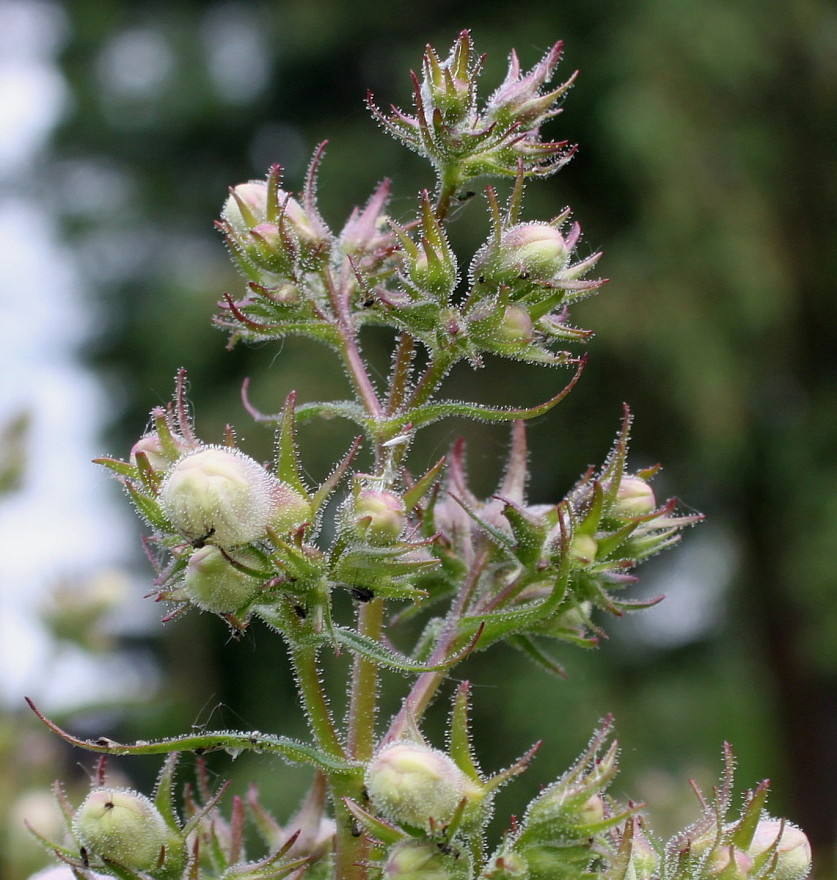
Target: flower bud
(515, 326)
(634, 497)
(412, 783)
(159, 457)
(792, 849)
(583, 548)
(378, 516)
(421, 860)
(214, 584)
(122, 826)
(220, 496)
(528, 251)
(729, 863)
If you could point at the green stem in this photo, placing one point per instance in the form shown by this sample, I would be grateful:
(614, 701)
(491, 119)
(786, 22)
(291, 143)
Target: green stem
(430, 381)
(363, 703)
(402, 360)
(304, 659)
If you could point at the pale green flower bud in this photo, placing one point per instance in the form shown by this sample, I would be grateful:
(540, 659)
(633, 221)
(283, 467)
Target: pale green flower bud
(421, 860)
(378, 516)
(515, 327)
(122, 826)
(412, 783)
(634, 497)
(526, 252)
(220, 496)
(793, 851)
(537, 248)
(583, 548)
(214, 584)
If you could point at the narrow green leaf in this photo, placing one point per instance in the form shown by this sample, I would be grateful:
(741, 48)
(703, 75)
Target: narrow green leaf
(123, 468)
(535, 653)
(383, 656)
(233, 741)
(415, 493)
(460, 739)
(432, 412)
(380, 829)
(148, 508)
(287, 458)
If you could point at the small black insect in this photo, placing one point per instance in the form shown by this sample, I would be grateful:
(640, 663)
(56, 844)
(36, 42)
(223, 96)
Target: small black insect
(197, 543)
(300, 612)
(362, 594)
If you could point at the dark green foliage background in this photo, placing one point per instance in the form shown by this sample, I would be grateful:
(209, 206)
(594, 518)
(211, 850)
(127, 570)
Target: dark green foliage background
(706, 173)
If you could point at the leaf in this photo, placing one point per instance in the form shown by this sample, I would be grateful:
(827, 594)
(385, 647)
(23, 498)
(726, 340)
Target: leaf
(459, 737)
(379, 829)
(293, 751)
(535, 653)
(432, 412)
(287, 458)
(383, 656)
(415, 493)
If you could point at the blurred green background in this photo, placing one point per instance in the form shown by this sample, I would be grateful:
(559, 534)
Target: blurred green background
(706, 172)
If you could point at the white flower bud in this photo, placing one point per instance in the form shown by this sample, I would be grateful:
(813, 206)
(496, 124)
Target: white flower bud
(214, 584)
(412, 783)
(220, 496)
(122, 826)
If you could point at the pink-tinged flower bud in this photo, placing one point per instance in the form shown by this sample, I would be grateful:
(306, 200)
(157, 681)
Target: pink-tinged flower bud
(213, 583)
(159, 457)
(515, 327)
(377, 516)
(792, 849)
(526, 252)
(122, 826)
(422, 860)
(729, 863)
(537, 248)
(634, 497)
(412, 783)
(246, 209)
(220, 496)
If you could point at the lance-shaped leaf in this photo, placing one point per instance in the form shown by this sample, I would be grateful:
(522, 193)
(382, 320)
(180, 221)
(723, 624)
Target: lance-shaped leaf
(460, 735)
(380, 654)
(378, 829)
(287, 457)
(233, 742)
(432, 412)
(534, 652)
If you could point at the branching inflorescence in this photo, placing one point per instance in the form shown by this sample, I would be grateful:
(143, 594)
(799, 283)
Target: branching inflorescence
(242, 541)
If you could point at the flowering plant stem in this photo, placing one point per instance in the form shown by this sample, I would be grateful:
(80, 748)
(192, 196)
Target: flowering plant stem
(242, 541)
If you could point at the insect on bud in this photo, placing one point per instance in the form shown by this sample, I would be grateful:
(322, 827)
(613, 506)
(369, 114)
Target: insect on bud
(412, 783)
(213, 583)
(220, 496)
(122, 826)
